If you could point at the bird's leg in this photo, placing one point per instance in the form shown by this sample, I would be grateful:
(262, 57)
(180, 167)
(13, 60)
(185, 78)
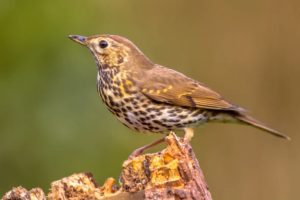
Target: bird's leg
(140, 150)
(188, 134)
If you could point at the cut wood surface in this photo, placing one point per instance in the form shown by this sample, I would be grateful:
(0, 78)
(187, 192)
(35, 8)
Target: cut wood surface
(173, 173)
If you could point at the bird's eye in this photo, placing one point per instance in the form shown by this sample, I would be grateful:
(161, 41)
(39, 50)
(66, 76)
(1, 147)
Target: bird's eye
(103, 44)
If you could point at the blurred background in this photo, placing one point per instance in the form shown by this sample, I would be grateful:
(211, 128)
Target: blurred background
(53, 124)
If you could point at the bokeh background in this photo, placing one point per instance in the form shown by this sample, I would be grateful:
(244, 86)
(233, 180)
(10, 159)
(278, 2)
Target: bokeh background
(52, 123)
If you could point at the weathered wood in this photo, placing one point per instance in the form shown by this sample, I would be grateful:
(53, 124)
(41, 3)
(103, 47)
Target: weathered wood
(20, 193)
(173, 173)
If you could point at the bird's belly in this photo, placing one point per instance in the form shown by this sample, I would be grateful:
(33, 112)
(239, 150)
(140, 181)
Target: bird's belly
(139, 113)
(161, 124)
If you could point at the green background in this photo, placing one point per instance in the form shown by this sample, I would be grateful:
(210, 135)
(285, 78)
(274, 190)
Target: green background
(53, 124)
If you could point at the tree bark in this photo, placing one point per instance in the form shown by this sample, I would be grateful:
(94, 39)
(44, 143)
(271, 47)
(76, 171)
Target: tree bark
(173, 173)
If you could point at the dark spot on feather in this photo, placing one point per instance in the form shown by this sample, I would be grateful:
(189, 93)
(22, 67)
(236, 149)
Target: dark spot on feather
(115, 88)
(178, 110)
(117, 82)
(151, 127)
(142, 119)
(158, 113)
(120, 59)
(190, 99)
(104, 66)
(156, 109)
(146, 123)
(173, 120)
(110, 98)
(158, 122)
(128, 120)
(146, 128)
(182, 116)
(126, 100)
(125, 125)
(171, 111)
(116, 93)
(180, 125)
(147, 118)
(129, 108)
(145, 105)
(152, 116)
(149, 109)
(142, 112)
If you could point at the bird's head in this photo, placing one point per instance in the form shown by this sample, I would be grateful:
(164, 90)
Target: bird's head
(113, 50)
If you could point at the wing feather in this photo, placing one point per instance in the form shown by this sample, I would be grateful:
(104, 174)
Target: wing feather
(166, 85)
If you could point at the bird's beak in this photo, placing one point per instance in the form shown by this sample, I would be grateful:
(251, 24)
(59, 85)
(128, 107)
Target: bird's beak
(79, 39)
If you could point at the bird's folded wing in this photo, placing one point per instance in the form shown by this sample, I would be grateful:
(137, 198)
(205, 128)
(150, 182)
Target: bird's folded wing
(166, 85)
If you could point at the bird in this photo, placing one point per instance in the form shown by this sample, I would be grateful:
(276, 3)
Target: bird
(148, 97)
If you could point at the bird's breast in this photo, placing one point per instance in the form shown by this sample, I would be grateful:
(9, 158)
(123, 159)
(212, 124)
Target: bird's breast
(140, 113)
(115, 89)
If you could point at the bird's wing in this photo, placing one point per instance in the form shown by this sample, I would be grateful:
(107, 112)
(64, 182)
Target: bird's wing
(166, 85)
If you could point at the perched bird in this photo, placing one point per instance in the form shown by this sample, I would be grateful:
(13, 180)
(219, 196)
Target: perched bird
(148, 97)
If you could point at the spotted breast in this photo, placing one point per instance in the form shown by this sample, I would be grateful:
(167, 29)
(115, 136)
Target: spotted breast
(137, 111)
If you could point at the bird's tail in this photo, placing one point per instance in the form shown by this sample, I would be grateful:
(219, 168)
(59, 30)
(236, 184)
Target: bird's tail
(253, 122)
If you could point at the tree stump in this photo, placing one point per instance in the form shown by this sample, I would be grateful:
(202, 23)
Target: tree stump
(173, 173)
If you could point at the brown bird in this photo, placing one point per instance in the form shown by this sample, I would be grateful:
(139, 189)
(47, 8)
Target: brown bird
(148, 97)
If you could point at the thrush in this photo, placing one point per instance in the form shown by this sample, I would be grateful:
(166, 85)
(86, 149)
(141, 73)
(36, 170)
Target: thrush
(148, 97)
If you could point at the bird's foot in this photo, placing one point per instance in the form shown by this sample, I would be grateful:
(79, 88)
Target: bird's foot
(189, 134)
(141, 150)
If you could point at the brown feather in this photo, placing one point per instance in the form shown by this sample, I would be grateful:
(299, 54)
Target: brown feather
(253, 122)
(169, 86)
